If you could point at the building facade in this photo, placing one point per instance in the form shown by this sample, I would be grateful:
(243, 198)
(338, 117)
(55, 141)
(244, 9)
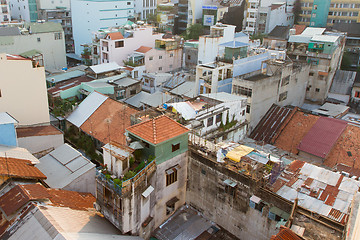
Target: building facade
(318, 13)
(4, 11)
(98, 15)
(25, 90)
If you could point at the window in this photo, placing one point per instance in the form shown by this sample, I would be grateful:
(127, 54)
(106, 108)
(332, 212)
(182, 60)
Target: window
(247, 108)
(120, 94)
(283, 96)
(170, 66)
(38, 39)
(357, 94)
(285, 81)
(171, 175)
(57, 36)
(242, 91)
(128, 3)
(170, 208)
(210, 121)
(189, 57)
(321, 77)
(160, 68)
(218, 118)
(317, 89)
(0, 92)
(151, 58)
(175, 147)
(311, 74)
(160, 57)
(119, 44)
(171, 54)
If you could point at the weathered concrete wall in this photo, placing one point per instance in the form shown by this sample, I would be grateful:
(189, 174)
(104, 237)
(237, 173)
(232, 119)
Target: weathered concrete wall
(84, 183)
(207, 192)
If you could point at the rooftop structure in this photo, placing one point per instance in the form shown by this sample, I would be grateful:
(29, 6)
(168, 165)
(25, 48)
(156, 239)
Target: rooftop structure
(102, 118)
(68, 169)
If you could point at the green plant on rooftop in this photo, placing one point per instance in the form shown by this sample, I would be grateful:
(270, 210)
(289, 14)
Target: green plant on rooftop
(194, 32)
(61, 107)
(86, 54)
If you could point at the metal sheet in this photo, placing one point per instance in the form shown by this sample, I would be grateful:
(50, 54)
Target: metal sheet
(86, 108)
(65, 154)
(148, 191)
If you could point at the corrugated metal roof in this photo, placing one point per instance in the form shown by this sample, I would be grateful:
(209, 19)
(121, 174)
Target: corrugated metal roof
(125, 82)
(322, 136)
(325, 38)
(86, 108)
(144, 98)
(224, 97)
(272, 123)
(64, 165)
(18, 153)
(65, 76)
(187, 89)
(105, 67)
(234, 44)
(318, 190)
(5, 118)
(45, 27)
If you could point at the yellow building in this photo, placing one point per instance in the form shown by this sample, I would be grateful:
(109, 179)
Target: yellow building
(340, 11)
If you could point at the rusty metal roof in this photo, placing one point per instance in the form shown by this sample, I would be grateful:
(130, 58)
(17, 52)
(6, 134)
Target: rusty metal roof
(318, 190)
(322, 136)
(285, 234)
(272, 123)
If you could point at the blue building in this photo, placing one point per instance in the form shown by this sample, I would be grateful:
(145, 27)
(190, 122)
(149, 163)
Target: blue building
(319, 13)
(7, 129)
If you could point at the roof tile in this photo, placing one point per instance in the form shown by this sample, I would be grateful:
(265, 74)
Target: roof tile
(19, 168)
(158, 129)
(37, 131)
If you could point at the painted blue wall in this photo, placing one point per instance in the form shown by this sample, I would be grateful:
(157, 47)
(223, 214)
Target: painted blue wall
(8, 134)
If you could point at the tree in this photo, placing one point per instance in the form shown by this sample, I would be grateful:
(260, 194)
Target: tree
(86, 54)
(194, 32)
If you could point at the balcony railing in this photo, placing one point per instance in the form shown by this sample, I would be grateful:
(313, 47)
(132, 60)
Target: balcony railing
(125, 186)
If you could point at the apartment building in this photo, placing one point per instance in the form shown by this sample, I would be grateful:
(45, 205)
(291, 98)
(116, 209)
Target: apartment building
(322, 13)
(263, 15)
(4, 11)
(143, 9)
(42, 41)
(116, 44)
(23, 93)
(89, 17)
(323, 51)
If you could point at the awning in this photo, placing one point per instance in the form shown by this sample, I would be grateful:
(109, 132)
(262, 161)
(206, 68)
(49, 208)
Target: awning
(172, 201)
(237, 153)
(147, 192)
(230, 183)
(173, 169)
(255, 199)
(136, 145)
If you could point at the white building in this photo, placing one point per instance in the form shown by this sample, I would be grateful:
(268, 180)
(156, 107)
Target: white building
(209, 45)
(115, 45)
(262, 16)
(43, 41)
(4, 11)
(90, 16)
(23, 90)
(215, 117)
(23, 10)
(144, 8)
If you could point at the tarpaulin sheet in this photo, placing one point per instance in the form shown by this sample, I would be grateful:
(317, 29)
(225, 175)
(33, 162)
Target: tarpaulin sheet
(237, 153)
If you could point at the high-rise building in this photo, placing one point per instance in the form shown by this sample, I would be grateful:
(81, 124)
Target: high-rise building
(90, 16)
(322, 13)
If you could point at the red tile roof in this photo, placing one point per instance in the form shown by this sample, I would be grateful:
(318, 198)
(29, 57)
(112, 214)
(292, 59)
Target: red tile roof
(19, 168)
(294, 131)
(158, 129)
(272, 123)
(143, 49)
(285, 234)
(115, 35)
(16, 57)
(109, 122)
(299, 29)
(322, 136)
(37, 131)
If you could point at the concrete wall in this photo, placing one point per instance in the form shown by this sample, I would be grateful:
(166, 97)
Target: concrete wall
(170, 60)
(23, 93)
(143, 9)
(37, 144)
(8, 134)
(207, 192)
(46, 4)
(5, 13)
(266, 91)
(165, 193)
(53, 50)
(84, 183)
